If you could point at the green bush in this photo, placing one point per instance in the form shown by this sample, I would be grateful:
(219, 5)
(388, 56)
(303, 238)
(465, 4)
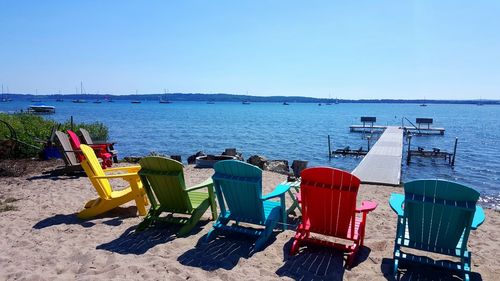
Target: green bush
(33, 131)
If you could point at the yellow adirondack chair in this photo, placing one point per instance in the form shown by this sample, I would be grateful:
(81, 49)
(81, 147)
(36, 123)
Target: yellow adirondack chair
(109, 198)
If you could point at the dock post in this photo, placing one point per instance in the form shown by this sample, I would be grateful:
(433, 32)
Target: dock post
(454, 152)
(408, 158)
(329, 148)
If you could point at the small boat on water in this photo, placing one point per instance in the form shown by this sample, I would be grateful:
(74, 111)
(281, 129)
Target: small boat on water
(164, 99)
(135, 101)
(97, 101)
(245, 102)
(59, 100)
(423, 103)
(79, 101)
(285, 103)
(42, 109)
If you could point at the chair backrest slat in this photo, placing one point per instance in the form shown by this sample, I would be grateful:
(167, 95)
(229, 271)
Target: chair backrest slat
(86, 136)
(66, 149)
(439, 212)
(92, 168)
(163, 178)
(329, 200)
(239, 189)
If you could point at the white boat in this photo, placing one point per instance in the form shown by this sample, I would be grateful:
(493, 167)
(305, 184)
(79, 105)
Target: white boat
(164, 99)
(42, 109)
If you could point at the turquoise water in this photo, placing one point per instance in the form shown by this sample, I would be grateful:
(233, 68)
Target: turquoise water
(296, 131)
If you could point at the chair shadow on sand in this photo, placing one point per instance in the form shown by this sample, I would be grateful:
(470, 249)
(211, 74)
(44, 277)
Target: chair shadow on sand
(114, 217)
(412, 271)
(57, 175)
(317, 263)
(224, 251)
(139, 242)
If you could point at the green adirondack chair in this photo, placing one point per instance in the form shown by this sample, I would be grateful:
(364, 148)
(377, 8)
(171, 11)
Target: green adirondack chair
(238, 186)
(436, 216)
(163, 180)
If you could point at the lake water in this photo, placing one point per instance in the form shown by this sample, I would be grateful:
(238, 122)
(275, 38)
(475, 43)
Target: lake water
(296, 131)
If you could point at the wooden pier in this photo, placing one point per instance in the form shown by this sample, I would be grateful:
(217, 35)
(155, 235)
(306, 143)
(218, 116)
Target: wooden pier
(382, 164)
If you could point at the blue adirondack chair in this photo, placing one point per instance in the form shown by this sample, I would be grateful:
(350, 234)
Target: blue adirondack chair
(238, 186)
(436, 216)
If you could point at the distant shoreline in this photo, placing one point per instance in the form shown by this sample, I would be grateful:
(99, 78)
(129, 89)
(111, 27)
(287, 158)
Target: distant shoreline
(239, 98)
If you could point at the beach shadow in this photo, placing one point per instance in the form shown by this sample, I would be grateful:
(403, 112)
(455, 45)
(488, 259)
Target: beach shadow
(224, 251)
(317, 263)
(139, 242)
(116, 217)
(412, 271)
(58, 174)
(62, 219)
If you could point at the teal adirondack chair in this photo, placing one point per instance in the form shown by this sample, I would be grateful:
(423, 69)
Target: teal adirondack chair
(436, 216)
(238, 186)
(163, 180)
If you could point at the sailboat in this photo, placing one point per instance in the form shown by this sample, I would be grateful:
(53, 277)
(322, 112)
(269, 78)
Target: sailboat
(4, 99)
(329, 102)
(81, 93)
(135, 101)
(164, 99)
(423, 104)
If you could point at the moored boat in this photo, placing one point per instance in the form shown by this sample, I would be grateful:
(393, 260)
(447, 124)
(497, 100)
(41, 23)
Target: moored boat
(42, 109)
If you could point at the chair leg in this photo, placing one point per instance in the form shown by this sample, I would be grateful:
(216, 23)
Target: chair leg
(141, 206)
(264, 236)
(295, 246)
(351, 257)
(213, 208)
(195, 217)
(215, 228)
(396, 262)
(146, 222)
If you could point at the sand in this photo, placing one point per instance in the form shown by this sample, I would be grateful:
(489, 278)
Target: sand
(42, 239)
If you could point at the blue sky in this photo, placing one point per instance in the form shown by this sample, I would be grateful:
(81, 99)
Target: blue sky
(346, 49)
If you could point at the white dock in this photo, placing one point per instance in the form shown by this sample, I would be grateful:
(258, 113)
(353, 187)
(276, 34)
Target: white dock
(416, 130)
(382, 164)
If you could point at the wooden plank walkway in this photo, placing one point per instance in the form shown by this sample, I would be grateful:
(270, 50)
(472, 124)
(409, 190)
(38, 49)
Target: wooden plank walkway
(382, 164)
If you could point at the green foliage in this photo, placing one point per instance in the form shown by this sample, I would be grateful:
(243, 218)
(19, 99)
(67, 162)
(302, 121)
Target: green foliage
(97, 130)
(33, 131)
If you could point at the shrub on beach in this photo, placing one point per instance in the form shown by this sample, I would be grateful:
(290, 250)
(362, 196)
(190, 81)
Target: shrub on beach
(33, 131)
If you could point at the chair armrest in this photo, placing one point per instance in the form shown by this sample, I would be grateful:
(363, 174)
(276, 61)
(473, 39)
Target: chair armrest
(117, 176)
(77, 151)
(278, 191)
(479, 217)
(396, 202)
(208, 182)
(130, 169)
(367, 206)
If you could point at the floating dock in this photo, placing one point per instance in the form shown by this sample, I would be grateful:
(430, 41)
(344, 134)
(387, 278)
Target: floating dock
(380, 129)
(382, 164)
(423, 126)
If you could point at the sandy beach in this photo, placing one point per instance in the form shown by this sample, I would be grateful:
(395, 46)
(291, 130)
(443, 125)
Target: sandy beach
(42, 239)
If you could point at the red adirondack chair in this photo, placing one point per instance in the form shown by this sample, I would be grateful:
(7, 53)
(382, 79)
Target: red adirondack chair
(99, 149)
(328, 200)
